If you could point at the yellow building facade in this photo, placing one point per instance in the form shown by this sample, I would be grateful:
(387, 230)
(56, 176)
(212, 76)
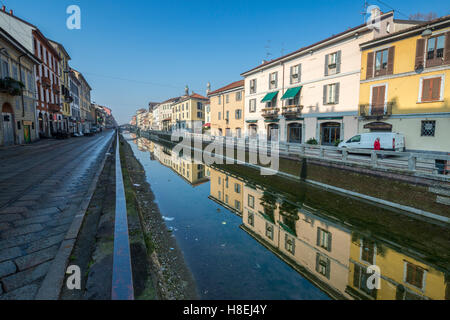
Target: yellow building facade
(405, 86)
(188, 113)
(226, 190)
(227, 106)
(402, 277)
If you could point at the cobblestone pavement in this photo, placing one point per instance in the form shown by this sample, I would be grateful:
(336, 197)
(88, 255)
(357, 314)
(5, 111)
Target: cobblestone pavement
(41, 188)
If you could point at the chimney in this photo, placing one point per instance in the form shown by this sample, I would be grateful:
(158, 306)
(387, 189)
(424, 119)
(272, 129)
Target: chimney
(10, 12)
(186, 90)
(208, 88)
(375, 13)
(3, 8)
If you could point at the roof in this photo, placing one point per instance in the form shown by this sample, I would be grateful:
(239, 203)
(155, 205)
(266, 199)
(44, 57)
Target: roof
(80, 75)
(234, 85)
(193, 96)
(19, 46)
(61, 47)
(171, 100)
(417, 28)
(351, 30)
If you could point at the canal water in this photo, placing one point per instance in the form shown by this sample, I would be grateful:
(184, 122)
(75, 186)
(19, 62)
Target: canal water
(243, 239)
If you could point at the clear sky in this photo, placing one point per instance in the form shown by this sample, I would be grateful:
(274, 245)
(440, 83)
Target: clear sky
(136, 51)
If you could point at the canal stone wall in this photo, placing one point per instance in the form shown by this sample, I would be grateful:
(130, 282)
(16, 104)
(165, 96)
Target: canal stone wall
(422, 195)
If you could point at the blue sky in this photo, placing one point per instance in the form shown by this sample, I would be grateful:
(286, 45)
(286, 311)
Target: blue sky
(137, 51)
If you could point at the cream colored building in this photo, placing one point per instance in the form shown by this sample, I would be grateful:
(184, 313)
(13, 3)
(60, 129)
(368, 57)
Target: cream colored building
(312, 93)
(227, 110)
(188, 113)
(140, 118)
(165, 113)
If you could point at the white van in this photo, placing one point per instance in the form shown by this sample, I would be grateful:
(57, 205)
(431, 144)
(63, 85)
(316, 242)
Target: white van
(389, 141)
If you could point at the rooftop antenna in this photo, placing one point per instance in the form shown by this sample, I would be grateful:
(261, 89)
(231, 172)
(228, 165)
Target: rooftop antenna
(267, 47)
(364, 12)
(282, 49)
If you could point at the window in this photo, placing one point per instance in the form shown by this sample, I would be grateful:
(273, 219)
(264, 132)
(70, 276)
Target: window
(354, 139)
(237, 188)
(5, 68)
(220, 195)
(331, 63)
(220, 99)
(435, 51)
(199, 114)
(428, 128)
(226, 199)
(273, 80)
(227, 98)
(252, 105)
(237, 204)
(269, 231)
(199, 106)
(253, 86)
(368, 251)
(360, 277)
(238, 133)
(251, 201)
(289, 244)
(381, 62)
(324, 239)
(15, 72)
(220, 115)
(295, 74)
(220, 181)
(251, 219)
(238, 114)
(239, 96)
(431, 89)
(331, 93)
(323, 265)
(414, 275)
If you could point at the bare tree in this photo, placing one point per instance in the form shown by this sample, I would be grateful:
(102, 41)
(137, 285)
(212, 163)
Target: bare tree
(423, 16)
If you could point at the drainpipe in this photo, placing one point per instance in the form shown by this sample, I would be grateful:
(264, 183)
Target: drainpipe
(20, 78)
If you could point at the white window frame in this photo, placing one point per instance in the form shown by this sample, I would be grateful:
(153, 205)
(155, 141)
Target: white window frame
(424, 278)
(385, 84)
(441, 98)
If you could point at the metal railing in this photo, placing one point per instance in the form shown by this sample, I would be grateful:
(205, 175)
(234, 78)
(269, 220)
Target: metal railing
(372, 110)
(429, 164)
(122, 282)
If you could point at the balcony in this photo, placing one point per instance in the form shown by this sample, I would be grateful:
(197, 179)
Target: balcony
(11, 86)
(55, 88)
(68, 99)
(292, 111)
(46, 83)
(270, 112)
(372, 111)
(54, 107)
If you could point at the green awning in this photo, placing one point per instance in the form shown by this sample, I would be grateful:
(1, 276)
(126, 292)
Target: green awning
(252, 121)
(291, 93)
(270, 96)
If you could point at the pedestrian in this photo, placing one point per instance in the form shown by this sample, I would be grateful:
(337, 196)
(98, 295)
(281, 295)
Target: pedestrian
(377, 145)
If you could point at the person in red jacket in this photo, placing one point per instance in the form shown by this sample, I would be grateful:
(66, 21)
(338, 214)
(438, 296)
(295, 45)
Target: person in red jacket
(377, 144)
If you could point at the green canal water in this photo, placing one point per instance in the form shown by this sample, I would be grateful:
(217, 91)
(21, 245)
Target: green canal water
(245, 236)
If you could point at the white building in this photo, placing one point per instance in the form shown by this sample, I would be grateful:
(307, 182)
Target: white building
(312, 93)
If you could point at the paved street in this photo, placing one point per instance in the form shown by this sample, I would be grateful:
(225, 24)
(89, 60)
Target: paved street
(42, 187)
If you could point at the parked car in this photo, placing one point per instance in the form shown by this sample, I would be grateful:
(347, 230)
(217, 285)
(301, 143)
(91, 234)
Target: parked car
(389, 141)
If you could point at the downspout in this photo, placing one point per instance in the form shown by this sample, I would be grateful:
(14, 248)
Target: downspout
(20, 78)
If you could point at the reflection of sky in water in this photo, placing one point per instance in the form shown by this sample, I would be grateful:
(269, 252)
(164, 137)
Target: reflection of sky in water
(226, 262)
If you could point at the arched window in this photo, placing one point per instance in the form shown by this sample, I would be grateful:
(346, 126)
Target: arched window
(294, 133)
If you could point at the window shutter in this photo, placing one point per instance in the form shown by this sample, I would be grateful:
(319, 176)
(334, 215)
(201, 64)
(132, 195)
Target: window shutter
(426, 86)
(400, 292)
(325, 94)
(326, 64)
(420, 53)
(447, 48)
(391, 55)
(318, 236)
(328, 269)
(300, 70)
(336, 96)
(370, 62)
(338, 62)
(317, 261)
(375, 94)
(356, 276)
(436, 89)
(329, 241)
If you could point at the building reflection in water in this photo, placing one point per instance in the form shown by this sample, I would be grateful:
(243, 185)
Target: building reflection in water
(330, 253)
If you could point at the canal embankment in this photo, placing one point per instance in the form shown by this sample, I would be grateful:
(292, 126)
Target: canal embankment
(425, 196)
(155, 253)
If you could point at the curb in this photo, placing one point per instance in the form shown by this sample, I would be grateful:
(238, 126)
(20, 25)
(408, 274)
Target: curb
(53, 281)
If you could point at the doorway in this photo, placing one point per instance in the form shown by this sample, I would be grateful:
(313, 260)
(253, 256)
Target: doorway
(331, 132)
(294, 133)
(8, 124)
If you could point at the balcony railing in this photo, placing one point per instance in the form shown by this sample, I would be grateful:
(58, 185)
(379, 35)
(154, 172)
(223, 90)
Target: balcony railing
(376, 111)
(56, 88)
(292, 111)
(54, 107)
(46, 83)
(270, 112)
(11, 86)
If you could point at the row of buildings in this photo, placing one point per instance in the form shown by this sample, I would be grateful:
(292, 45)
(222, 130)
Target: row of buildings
(331, 254)
(41, 96)
(386, 76)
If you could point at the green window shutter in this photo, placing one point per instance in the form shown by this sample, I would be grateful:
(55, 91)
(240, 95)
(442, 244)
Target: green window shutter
(324, 94)
(336, 99)
(338, 62)
(326, 65)
(328, 269)
(318, 236)
(356, 276)
(329, 241)
(300, 67)
(317, 261)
